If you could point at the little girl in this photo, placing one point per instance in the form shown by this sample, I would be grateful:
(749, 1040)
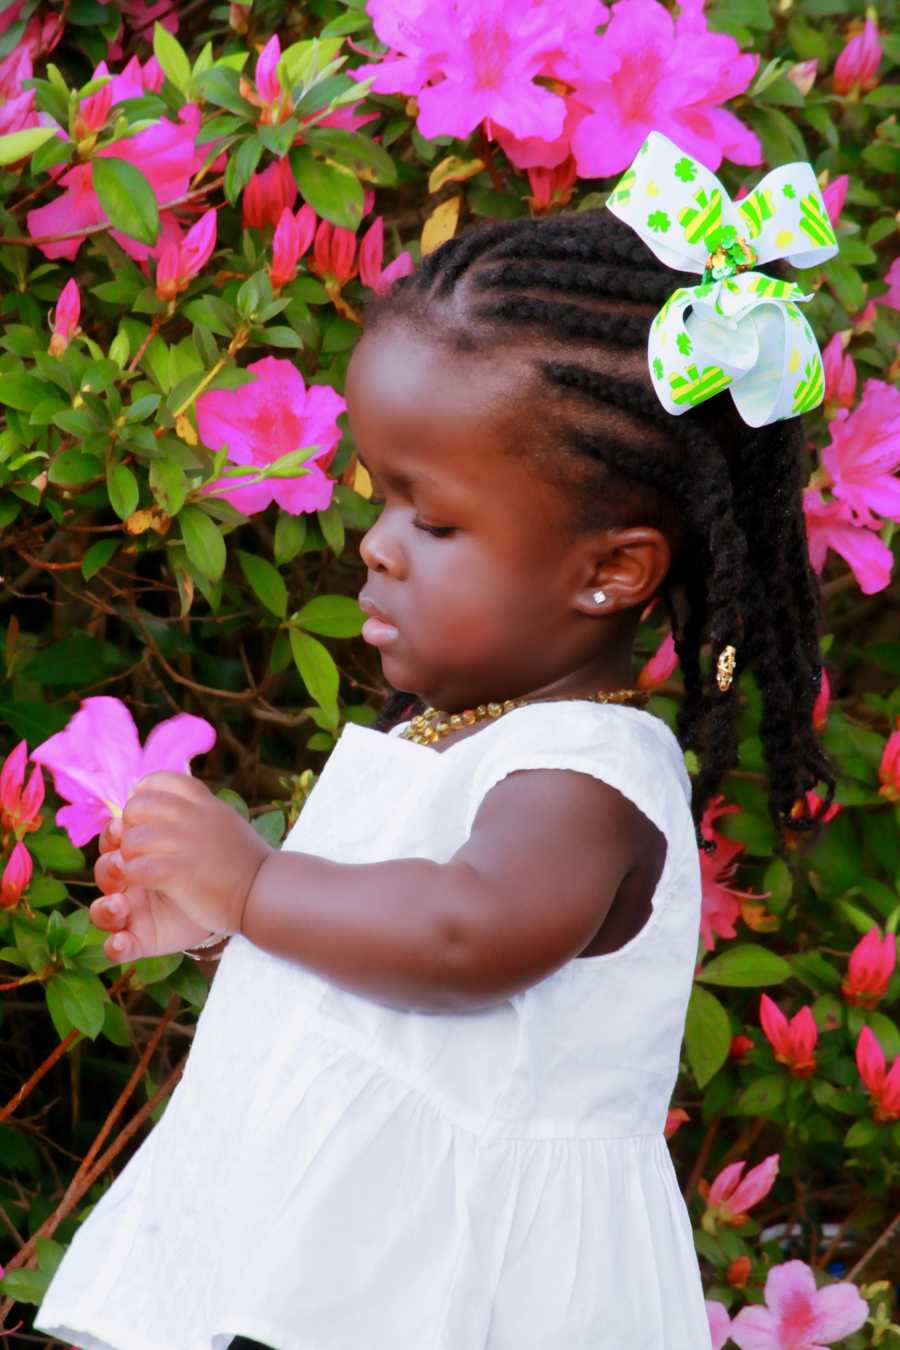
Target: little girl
(424, 1105)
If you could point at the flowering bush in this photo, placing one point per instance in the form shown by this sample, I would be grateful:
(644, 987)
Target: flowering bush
(196, 203)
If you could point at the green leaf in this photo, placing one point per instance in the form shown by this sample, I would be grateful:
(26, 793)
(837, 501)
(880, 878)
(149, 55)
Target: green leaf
(290, 534)
(127, 198)
(763, 1095)
(359, 153)
(97, 556)
(203, 541)
(266, 581)
(124, 493)
(21, 391)
(862, 1133)
(168, 484)
(72, 466)
(332, 190)
(317, 669)
(25, 1286)
(172, 57)
(707, 1035)
(745, 966)
(330, 616)
(332, 526)
(21, 144)
(80, 997)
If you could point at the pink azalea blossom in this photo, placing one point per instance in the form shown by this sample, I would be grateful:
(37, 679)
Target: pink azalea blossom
(856, 69)
(840, 374)
(17, 110)
(883, 1086)
(834, 197)
(869, 969)
(792, 1041)
(719, 1323)
(551, 189)
(97, 759)
(822, 703)
(891, 296)
(274, 102)
(143, 14)
(864, 455)
(662, 664)
(803, 76)
(809, 807)
(889, 768)
(16, 876)
(732, 1194)
(19, 806)
(371, 255)
(267, 194)
(667, 76)
(64, 320)
(180, 261)
(262, 421)
(830, 525)
(165, 155)
(721, 904)
(739, 1048)
(797, 1315)
(675, 1118)
(334, 253)
(293, 236)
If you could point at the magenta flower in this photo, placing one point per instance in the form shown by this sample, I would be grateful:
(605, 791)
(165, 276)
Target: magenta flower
(551, 188)
(792, 1041)
(165, 155)
(17, 110)
(840, 374)
(97, 759)
(719, 1323)
(268, 193)
(334, 253)
(721, 902)
(889, 768)
(829, 525)
(856, 69)
(803, 76)
(891, 296)
(181, 260)
(64, 320)
(834, 197)
(797, 1315)
(262, 421)
(667, 76)
(731, 1195)
(16, 876)
(821, 705)
(864, 455)
(274, 102)
(371, 255)
(19, 806)
(883, 1087)
(661, 665)
(293, 236)
(870, 968)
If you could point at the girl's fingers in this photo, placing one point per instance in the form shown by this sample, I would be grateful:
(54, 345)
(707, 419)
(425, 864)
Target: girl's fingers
(111, 912)
(108, 871)
(111, 835)
(122, 947)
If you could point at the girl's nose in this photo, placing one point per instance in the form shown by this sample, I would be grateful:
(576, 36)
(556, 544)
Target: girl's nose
(380, 549)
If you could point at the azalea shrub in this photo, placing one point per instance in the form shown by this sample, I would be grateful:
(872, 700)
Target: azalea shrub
(197, 202)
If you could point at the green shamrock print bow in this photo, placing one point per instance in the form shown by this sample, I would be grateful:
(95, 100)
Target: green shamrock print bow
(738, 329)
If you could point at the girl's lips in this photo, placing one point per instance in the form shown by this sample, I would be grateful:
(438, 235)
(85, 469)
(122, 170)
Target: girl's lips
(377, 629)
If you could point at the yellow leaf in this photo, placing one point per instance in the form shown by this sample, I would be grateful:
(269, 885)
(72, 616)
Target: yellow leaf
(440, 225)
(453, 169)
(184, 428)
(362, 483)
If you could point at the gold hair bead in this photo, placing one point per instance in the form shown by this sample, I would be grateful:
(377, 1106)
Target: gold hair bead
(725, 668)
(429, 726)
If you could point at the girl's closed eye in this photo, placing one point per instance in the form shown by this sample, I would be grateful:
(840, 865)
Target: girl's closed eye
(439, 531)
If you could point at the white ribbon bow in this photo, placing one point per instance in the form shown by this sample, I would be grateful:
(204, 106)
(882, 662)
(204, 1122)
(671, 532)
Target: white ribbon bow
(738, 329)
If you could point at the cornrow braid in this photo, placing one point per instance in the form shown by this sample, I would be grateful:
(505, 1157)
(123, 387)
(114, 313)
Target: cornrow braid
(578, 291)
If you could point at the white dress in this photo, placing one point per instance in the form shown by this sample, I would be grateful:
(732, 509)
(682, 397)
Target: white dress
(334, 1174)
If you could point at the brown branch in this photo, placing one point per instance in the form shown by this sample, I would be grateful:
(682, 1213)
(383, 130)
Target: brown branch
(243, 696)
(876, 1246)
(697, 1170)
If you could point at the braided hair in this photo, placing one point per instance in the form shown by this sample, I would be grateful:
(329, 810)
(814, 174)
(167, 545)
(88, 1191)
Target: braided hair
(578, 291)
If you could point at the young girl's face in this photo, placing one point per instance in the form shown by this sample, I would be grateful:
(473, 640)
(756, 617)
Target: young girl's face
(471, 565)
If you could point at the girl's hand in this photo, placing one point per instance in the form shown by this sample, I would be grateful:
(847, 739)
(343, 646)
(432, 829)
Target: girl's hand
(142, 922)
(195, 852)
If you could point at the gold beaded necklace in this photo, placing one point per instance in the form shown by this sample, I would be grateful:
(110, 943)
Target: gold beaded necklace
(429, 726)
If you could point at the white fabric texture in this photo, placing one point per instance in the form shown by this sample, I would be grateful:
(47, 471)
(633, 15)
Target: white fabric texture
(334, 1174)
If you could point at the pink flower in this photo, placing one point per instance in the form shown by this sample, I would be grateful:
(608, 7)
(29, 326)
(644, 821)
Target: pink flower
(864, 455)
(870, 968)
(275, 103)
(371, 254)
(17, 110)
(165, 155)
(739, 1047)
(675, 1118)
(551, 188)
(834, 197)
(891, 296)
(94, 110)
(97, 758)
(64, 320)
(857, 66)
(803, 76)
(143, 14)
(180, 262)
(883, 1087)
(719, 1323)
(809, 807)
(889, 768)
(262, 421)
(797, 1315)
(293, 236)
(829, 525)
(19, 807)
(730, 1197)
(268, 193)
(16, 876)
(840, 374)
(668, 76)
(661, 665)
(721, 905)
(334, 253)
(823, 700)
(793, 1042)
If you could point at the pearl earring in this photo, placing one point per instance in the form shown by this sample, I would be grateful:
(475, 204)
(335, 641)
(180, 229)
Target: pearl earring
(599, 597)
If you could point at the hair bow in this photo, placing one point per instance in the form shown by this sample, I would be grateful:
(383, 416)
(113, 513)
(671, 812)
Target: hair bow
(737, 329)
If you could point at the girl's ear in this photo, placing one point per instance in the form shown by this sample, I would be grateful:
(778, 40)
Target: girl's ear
(623, 568)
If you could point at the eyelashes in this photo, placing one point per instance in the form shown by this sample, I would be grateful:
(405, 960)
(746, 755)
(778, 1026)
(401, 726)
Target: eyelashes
(438, 531)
